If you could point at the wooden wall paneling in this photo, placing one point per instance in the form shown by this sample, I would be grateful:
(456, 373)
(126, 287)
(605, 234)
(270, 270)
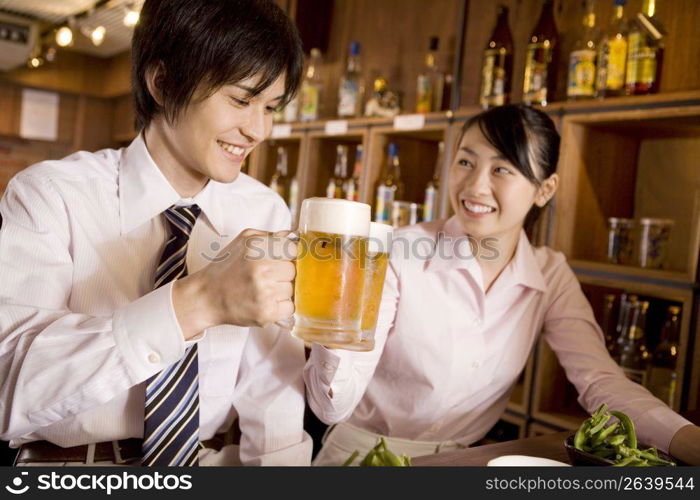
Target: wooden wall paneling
(394, 38)
(10, 105)
(117, 75)
(123, 119)
(93, 130)
(71, 72)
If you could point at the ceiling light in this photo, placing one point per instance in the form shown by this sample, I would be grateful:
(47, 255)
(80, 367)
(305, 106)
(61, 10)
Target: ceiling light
(64, 36)
(131, 17)
(98, 35)
(35, 62)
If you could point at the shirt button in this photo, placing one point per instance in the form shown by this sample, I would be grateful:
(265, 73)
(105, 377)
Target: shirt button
(476, 364)
(327, 366)
(477, 322)
(154, 358)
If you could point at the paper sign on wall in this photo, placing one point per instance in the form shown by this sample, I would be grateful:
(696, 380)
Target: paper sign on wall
(39, 116)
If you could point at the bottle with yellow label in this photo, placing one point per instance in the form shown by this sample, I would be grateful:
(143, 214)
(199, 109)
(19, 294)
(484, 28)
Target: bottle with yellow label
(497, 64)
(612, 55)
(583, 59)
(311, 87)
(645, 52)
(390, 187)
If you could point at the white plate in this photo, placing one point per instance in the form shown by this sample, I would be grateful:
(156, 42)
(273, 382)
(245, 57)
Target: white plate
(524, 461)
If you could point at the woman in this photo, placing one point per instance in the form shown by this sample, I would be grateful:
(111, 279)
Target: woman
(464, 302)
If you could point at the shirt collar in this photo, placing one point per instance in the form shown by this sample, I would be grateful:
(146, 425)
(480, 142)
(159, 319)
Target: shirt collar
(144, 192)
(456, 252)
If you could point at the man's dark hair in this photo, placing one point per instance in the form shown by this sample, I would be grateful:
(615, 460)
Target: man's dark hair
(210, 43)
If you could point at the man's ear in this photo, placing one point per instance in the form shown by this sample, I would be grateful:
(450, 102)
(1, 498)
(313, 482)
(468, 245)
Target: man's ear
(546, 190)
(154, 81)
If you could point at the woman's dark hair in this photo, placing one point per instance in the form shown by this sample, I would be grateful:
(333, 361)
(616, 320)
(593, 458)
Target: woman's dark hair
(210, 43)
(526, 137)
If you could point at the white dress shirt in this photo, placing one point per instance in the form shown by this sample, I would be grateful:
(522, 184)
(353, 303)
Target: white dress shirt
(81, 328)
(448, 354)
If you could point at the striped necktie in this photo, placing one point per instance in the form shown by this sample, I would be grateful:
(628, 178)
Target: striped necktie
(171, 431)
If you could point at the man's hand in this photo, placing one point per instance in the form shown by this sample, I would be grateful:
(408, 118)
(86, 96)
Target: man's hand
(251, 286)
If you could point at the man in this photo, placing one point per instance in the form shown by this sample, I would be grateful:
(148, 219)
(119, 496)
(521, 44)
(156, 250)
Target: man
(126, 336)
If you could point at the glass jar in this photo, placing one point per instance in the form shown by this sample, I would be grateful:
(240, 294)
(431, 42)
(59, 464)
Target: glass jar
(653, 242)
(620, 242)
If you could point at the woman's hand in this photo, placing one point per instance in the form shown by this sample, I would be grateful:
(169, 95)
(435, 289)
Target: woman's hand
(685, 445)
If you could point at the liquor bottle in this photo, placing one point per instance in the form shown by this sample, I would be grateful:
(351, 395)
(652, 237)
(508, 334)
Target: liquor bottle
(623, 320)
(634, 356)
(645, 52)
(430, 82)
(432, 189)
(280, 182)
(662, 374)
(340, 173)
(582, 60)
(497, 65)
(352, 185)
(293, 198)
(390, 186)
(612, 55)
(291, 110)
(541, 59)
(351, 90)
(608, 322)
(311, 88)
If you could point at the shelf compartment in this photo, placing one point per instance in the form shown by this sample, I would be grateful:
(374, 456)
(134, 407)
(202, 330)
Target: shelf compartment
(321, 157)
(660, 298)
(520, 396)
(555, 398)
(609, 167)
(418, 150)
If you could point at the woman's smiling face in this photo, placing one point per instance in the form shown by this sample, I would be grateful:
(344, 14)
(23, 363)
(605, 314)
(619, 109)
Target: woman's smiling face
(490, 196)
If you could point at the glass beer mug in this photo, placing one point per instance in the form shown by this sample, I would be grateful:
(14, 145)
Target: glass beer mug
(329, 286)
(376, 262)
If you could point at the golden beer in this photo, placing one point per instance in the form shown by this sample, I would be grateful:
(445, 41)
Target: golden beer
(376, 263)
(330, 280)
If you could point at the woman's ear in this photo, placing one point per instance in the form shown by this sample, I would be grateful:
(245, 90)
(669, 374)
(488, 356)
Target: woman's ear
(154, 81)
(547, 190)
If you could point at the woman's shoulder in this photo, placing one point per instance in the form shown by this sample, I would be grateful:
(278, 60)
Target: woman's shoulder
(553, 265)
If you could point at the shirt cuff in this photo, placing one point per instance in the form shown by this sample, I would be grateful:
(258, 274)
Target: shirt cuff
(148, 334)
(658, 426)
(326, 363)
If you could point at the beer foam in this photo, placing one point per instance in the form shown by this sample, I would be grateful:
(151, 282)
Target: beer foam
(335, 216)
(379, 237)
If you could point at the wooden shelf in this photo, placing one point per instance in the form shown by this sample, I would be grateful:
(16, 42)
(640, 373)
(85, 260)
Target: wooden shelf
(535, 429)
(520, 397)
(670, 278)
